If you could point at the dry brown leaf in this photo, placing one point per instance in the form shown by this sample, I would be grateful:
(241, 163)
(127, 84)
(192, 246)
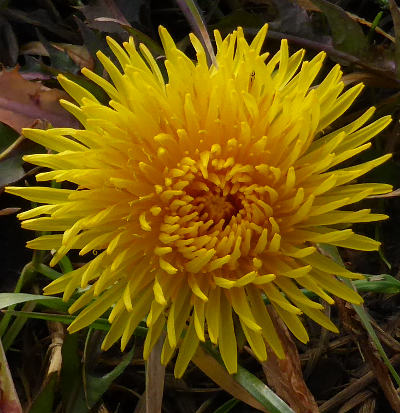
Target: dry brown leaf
(155, 375)
(34, 48)
(370, 79)
(307, 4)
(285, 376)
(57, 339)
(23, 101)
(380, 370)
(368, 406)
(9, 211)
(392, 194)
(353, 388)
(356, 400)
(57, 334)
(79, 54)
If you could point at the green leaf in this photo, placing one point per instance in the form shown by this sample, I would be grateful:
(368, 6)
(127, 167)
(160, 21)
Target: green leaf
(8, 136)
(28, 272)
(15, 328)
(254, 387)
(48, 271)
(65, 264)
(191, 11)
(71, 376)
(346, 33)
(59, 59)
(7, 299)
(96, 386)
(45, 399)
(100, 324)
(80, 396)
(261, 392)
(227, 406)
(382, 283)
(11, 170)
(10, 164)
(12, 147)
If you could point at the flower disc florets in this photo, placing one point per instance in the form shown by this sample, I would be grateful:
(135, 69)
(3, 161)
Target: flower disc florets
(204, 194)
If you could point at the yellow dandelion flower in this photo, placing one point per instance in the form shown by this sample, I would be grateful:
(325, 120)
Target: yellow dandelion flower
(204, 193)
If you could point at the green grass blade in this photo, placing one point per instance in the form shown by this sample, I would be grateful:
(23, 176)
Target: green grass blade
(15, 328)
(261, 392)
(27, 273)
(192, 14)
(44, 401)
(65, 265)
(100, 324)
(227, 406)
(48, 272)
(9, 299)
(96, 386)
(253, 385)
(381, 283)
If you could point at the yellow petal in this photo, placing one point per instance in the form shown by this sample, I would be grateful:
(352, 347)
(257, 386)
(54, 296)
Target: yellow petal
(227, 339)
(186, 350)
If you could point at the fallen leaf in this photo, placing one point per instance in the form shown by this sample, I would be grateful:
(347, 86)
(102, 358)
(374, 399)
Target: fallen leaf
(79, 54)
(285, 376)
(23, 101)
(34, 48)
(346, 33)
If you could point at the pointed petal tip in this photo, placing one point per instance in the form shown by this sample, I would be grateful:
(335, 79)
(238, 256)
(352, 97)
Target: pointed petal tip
(72, 329)
(61, 77)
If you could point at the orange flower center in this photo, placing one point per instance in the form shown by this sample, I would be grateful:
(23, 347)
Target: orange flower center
(216, 212)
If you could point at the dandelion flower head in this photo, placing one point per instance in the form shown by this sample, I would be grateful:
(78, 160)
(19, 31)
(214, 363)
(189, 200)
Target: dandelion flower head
(204, 190)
